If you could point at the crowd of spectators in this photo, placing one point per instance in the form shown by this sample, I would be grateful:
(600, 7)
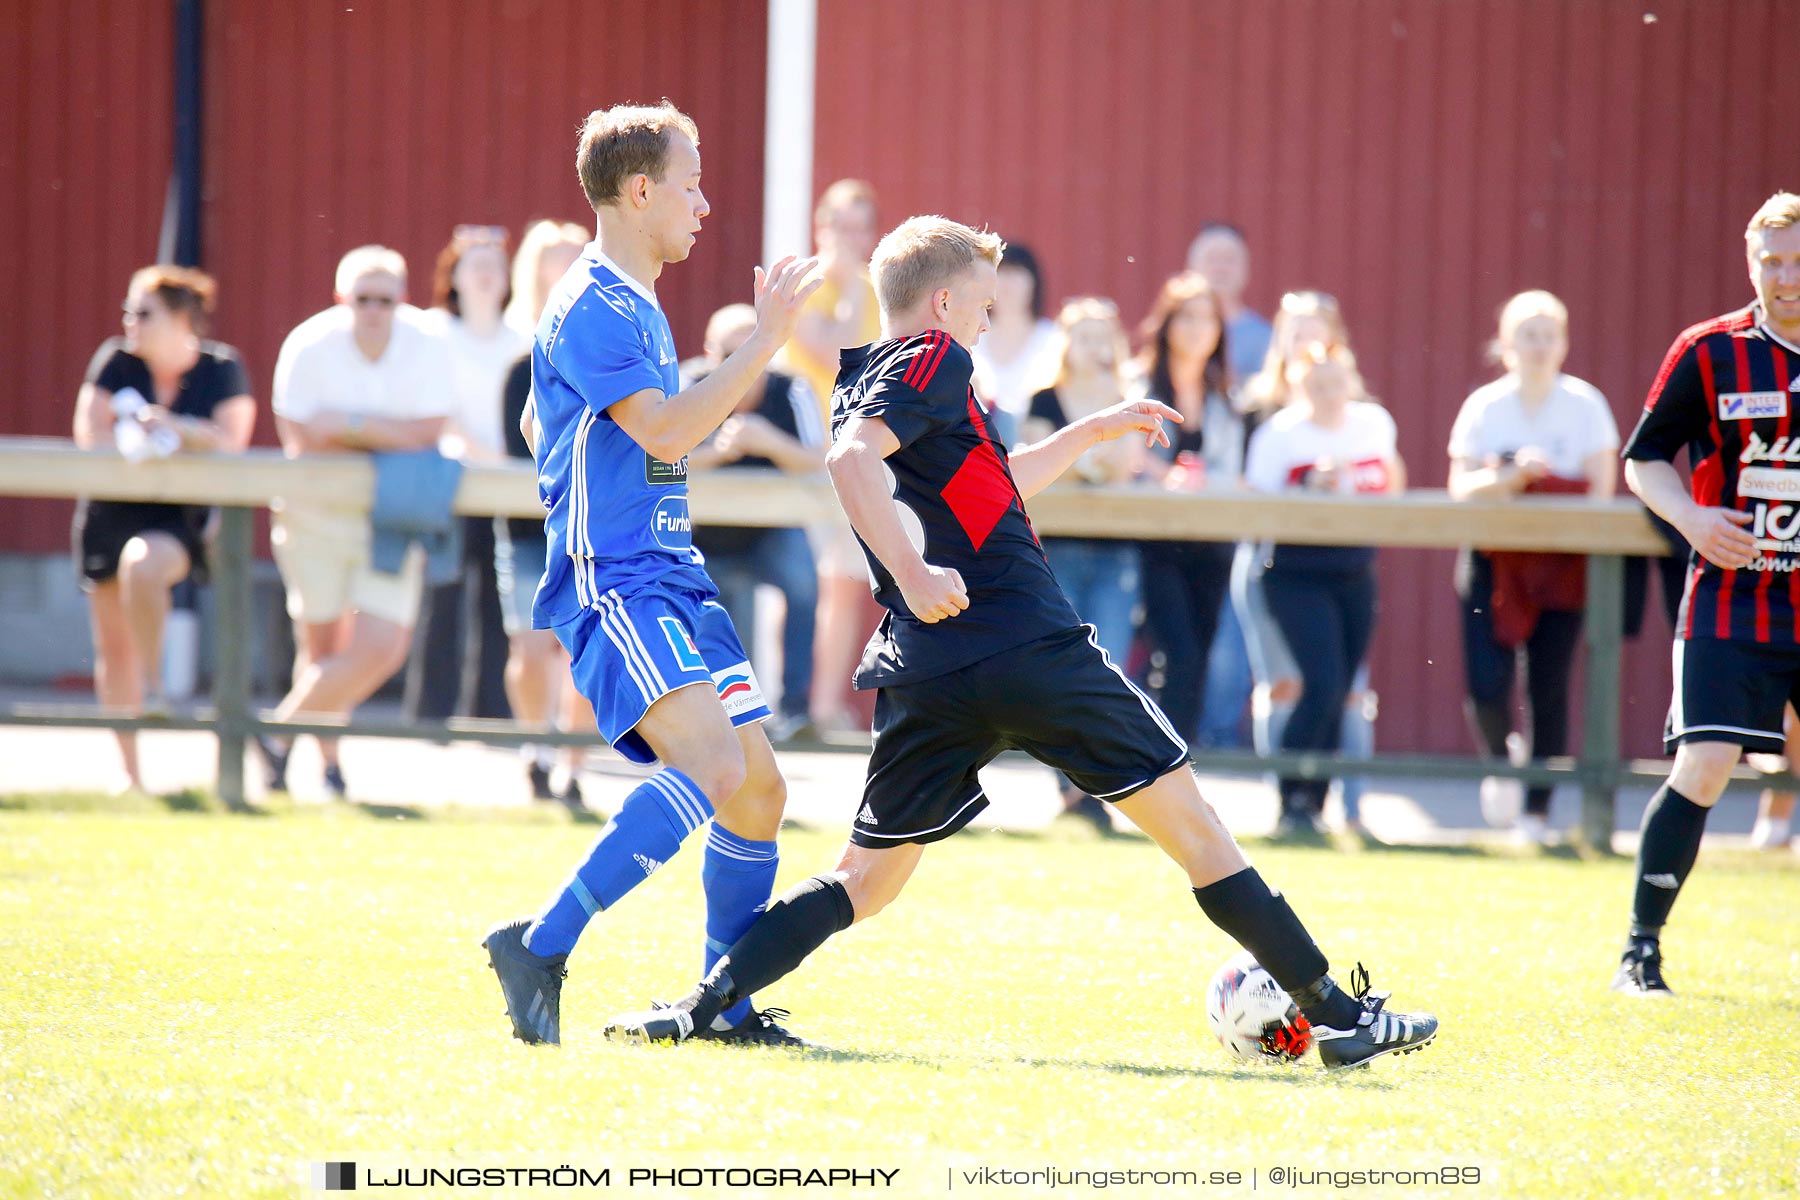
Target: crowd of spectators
(1242, 644)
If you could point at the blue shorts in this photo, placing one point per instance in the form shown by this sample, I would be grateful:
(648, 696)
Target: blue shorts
(629, 652)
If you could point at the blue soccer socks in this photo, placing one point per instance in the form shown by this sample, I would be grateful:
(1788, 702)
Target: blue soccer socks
(738, 875)
(646, 833)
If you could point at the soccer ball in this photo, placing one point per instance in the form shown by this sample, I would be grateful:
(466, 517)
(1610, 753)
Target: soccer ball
(1252, 1017)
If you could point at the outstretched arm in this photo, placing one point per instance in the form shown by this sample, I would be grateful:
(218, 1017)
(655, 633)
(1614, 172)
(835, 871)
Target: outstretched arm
(671, 426)
(1037, 466)
(931, 593)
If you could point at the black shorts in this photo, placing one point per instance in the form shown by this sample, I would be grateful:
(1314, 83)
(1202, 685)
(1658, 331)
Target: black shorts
(102, 528)
(1059, 699)
(1731, 692)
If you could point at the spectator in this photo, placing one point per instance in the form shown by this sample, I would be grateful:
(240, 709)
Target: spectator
(1099, 575)
(1184, 582)
(460, 666)
(364, 375)
(1220, 253)
(1017, 355)
(1775, 808)
(537, 668)
(1534, 429)
(1332, 439)
(1304, 320)
(775, 426)
(161, 388)
(841, 314)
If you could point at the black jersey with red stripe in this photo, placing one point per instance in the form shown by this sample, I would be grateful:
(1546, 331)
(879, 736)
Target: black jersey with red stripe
(957, 501)
(1728, 392)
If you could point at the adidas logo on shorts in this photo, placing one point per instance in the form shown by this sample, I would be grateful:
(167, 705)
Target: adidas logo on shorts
(866, 816)
(649, 864)
(1662, 881)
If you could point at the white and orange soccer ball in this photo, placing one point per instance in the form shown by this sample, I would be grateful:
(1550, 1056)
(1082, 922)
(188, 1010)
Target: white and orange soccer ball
(1252, 1017)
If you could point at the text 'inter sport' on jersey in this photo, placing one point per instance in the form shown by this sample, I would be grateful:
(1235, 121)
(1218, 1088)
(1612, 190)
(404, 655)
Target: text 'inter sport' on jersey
(1727, 392)
(954, 492)
(617, 518)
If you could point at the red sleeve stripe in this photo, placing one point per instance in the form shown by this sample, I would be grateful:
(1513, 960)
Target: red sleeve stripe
(942, 342)
(918, 373)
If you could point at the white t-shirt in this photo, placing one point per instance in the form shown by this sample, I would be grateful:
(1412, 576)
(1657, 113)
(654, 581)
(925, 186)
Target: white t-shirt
(320, 370)
(1010, 386)
(1571, 424)
(479, 366)
(1286, 445)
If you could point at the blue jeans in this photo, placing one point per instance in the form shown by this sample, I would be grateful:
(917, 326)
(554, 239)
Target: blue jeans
(782, 558)
(1100, 578)
(1228, 685)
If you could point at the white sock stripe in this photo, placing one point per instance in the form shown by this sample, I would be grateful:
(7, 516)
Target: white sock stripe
(650, 694)
(691, 815)
(693, 792)
(1150, 707)
(618, 604)
(678, 803)
(718, 845)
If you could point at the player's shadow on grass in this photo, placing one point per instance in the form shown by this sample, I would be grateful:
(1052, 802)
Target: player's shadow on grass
(392, 812)
(1300, 1074)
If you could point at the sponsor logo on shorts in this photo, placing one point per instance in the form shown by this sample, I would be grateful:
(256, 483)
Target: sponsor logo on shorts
(671, 525)
(866, 816)
(682, 643)
(738, 690)
(1752, 406)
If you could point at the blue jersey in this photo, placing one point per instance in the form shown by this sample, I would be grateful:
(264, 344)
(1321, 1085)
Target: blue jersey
(617, 517)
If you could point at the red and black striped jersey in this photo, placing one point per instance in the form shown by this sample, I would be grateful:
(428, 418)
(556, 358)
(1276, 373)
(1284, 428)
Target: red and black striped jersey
(1727, 392)
(954, 493)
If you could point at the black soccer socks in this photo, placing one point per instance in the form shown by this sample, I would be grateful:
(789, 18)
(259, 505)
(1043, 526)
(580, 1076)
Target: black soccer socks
(1258, 918)
(796, 924)
(1667, 848)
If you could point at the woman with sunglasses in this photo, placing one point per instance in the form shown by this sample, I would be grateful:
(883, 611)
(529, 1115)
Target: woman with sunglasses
(161, 388)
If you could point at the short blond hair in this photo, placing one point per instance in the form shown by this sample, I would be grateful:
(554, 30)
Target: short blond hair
(843, 194)
(627, 140)
(1777, 212)
(368, 260)
(922, 254)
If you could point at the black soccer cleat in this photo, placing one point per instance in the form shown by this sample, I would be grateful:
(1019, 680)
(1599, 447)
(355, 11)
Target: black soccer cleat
(334, 781)
(539, 775)
(1376, 1033)
(662, 1024)
(531, 983)
(1640, 973)
(762, 1027)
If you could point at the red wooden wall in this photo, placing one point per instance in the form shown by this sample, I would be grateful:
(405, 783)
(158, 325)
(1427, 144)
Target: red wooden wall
(1420, 160)
(329, 124)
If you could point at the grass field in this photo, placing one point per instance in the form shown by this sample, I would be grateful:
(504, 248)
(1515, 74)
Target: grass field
(200, 1005)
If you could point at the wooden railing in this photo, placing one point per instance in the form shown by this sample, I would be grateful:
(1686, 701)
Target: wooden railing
(1604, 531)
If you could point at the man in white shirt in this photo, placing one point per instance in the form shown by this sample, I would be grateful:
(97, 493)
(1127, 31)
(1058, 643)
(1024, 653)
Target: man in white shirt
(364, 375)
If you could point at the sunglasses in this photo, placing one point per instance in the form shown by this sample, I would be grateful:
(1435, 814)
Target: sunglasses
(374, 301)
